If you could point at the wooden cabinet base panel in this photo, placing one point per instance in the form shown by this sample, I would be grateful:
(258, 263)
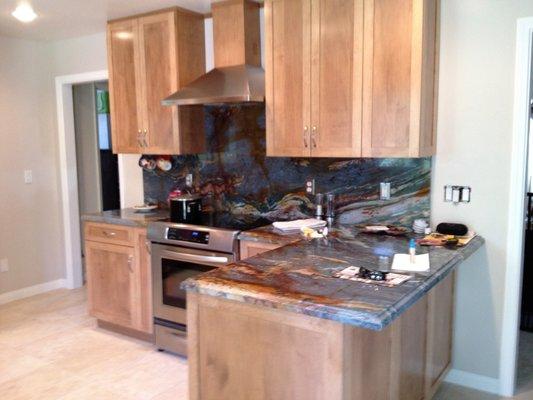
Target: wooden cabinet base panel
(240, 351)
(126, 331)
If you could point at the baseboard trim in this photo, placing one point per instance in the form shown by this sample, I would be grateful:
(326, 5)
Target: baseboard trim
(32, 290)
(473, 381)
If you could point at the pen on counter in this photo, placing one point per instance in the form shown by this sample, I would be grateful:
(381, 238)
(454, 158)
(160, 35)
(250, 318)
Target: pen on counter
(412, 251)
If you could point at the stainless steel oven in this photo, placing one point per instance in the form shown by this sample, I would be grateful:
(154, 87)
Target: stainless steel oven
(179, 252)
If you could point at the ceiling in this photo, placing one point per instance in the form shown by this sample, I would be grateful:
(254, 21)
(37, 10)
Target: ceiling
(62, 19)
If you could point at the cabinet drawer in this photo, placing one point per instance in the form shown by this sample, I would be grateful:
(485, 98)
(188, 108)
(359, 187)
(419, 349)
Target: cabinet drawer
(109, 233)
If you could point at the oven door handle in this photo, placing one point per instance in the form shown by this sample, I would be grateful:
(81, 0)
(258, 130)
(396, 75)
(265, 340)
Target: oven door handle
(195, 257)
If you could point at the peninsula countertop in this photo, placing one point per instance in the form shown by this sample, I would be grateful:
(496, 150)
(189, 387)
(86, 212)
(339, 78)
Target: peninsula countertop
(299, 277)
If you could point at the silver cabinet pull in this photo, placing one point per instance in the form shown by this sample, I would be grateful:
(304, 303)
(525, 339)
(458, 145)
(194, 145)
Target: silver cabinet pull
(110, 234)
(144, 138)
(148, 249)
(139, 133)
(306, 131)
(314, 133)
(130, 263)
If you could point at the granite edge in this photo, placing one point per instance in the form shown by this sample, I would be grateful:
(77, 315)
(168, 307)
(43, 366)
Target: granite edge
(370, 320)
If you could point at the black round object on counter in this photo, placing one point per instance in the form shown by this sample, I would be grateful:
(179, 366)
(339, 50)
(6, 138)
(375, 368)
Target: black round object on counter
(447, 228)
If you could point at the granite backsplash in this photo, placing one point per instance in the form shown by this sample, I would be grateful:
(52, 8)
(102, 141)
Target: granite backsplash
(236, 176)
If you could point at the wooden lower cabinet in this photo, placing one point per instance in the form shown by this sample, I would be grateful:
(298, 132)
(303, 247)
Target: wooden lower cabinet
(119, 280)
(250, 248)
(240, 351)
(439, 333)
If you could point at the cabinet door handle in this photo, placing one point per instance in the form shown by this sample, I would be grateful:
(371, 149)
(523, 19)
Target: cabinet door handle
(110, 234)
(314, 133)
(144, 138)
(139, 133)
(130, 263)
(306, 131)
(148, 249)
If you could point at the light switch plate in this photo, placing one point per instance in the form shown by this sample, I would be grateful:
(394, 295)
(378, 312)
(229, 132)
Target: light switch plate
(28, 176)
(457, 194)
(4, 266)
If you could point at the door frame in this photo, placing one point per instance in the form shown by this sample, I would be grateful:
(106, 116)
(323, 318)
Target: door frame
(517, 206)
(68, 173)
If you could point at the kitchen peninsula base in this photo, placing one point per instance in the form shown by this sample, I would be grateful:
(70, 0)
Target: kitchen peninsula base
(241, 351)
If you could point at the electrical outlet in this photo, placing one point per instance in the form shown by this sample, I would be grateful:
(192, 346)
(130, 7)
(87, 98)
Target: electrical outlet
(28, 176)
(384, 190)
(189, 180)
(310, 186)
(4, 266)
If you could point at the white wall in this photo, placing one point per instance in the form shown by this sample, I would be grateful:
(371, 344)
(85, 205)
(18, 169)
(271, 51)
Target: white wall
(474, 146)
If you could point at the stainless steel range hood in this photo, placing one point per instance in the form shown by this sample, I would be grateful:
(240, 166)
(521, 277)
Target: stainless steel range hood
(237, 76)
(236, 84)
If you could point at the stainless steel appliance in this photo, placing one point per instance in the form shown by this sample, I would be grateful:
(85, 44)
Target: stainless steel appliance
(238, 77)
(181, 251)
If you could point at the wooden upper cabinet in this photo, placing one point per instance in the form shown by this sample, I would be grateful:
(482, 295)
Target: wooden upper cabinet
(314, 77)
(350, 78)
(122, 42)
(399, 78)
(288, 77)
(336, 76)
(163, 53)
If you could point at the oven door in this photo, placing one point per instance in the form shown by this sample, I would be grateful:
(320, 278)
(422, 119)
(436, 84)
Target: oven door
(171, 265)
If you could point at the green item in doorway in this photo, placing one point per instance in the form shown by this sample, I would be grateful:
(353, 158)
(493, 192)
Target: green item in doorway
(102, 102)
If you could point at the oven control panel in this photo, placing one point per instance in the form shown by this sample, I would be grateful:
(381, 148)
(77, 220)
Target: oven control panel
(188, 235)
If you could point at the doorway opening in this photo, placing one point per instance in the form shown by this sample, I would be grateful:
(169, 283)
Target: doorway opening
(524, 375)
(130, 181)
(96, 165)
(515, 348)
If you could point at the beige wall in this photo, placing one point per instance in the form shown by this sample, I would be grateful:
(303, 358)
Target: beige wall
(474, 146)
(30, 233)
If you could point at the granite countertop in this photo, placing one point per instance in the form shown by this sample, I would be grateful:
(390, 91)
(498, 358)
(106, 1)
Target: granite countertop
(126, 217)
(299, 277)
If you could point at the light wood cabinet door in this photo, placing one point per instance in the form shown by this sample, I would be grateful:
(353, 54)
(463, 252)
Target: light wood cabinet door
(144, 299)
(288, 77)
(336, 76)
(439, 333)
(159, 79)
(151, 57)
(124, 87)
(399, 78)
(119, 275)
(112, 283)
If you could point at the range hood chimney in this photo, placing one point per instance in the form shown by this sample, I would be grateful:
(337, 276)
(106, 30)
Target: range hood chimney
(237, 76)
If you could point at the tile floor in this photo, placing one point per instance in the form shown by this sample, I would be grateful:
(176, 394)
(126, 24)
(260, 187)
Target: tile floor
(50, 349)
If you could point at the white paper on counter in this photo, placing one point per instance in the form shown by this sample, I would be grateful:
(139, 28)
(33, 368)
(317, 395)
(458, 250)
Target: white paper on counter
(298, 224)
(402, 262)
